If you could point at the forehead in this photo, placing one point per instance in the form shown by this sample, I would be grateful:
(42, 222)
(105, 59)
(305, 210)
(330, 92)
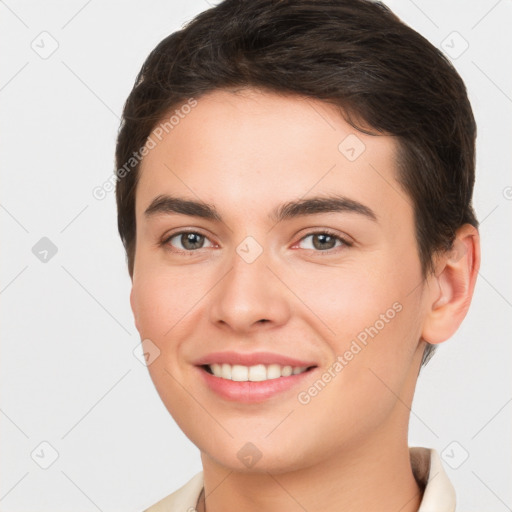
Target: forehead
(246, 149)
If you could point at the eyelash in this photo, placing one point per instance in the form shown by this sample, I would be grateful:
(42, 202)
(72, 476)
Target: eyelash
(328, 232)
(344, 242)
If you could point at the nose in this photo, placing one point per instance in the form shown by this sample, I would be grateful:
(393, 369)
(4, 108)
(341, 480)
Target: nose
(250, 297)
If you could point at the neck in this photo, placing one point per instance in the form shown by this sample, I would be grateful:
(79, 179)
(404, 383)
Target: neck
(376, 476)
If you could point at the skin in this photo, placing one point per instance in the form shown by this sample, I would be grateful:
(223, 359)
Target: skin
(246, 152)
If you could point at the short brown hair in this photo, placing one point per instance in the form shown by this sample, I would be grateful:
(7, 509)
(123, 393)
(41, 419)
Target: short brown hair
(354, 54)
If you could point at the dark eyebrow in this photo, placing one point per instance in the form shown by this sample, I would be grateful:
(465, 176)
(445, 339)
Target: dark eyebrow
(165, 204)
(322, 204)
(168, 204)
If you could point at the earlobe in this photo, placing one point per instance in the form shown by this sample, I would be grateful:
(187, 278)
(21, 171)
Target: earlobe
(452, 286)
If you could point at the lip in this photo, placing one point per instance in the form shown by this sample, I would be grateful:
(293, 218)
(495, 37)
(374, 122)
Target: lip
(249, 392)
(251, 359)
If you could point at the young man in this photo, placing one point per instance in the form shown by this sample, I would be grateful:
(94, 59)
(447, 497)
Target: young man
(294, 196)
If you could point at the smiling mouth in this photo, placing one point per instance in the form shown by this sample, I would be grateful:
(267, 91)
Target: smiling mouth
(255, 373)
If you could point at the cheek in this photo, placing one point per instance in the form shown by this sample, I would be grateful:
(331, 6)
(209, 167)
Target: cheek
(349, 301)
(162, 299)
(168, 304)
(162, 302)
(368, 378)
(372, 319)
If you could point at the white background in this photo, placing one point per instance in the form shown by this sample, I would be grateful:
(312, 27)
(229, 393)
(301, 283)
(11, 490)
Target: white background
(68, 373)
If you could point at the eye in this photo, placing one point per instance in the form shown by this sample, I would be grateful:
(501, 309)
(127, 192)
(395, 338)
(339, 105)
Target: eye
(187, 241)
(323, 241)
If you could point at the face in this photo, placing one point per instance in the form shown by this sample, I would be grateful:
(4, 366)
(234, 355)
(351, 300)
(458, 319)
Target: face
(284, 310)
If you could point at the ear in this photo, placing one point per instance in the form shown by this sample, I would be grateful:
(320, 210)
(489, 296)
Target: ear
(451, 286)
(134, 309)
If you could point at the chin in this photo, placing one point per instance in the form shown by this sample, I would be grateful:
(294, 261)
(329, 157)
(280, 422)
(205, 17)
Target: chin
(258, 457)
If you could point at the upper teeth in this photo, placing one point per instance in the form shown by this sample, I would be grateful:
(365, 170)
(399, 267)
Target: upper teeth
(254, 373)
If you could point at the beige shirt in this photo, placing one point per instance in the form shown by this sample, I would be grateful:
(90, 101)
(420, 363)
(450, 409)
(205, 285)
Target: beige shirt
(438, 496)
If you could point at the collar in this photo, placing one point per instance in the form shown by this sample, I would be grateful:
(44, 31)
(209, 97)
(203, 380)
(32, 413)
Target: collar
(438, 494)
